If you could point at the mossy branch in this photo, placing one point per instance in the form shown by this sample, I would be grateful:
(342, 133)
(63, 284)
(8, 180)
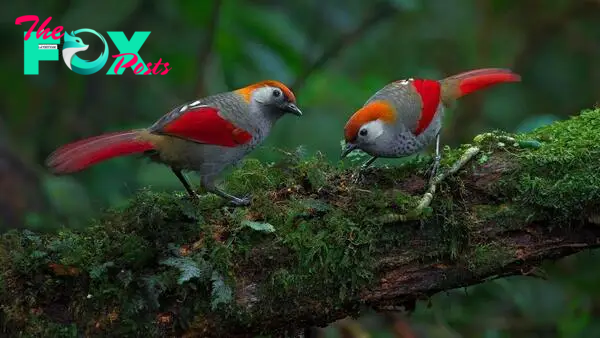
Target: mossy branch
(312, 247)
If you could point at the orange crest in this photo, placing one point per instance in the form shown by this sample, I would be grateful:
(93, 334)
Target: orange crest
(376, 110)
(246, 92)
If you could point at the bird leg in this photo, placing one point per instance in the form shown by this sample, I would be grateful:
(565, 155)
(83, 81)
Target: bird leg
(186, 184)
(210, 186)
(436, 160)
(237, 201)
(359, 174)
(368, 162)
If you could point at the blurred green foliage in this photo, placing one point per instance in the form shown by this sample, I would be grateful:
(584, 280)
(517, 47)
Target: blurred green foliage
(554, 45)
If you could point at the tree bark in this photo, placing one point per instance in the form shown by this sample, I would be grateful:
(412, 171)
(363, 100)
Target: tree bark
(314, 245)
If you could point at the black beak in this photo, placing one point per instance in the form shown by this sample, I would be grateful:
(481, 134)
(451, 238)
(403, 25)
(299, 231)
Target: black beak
(348, 149)
(292, 108)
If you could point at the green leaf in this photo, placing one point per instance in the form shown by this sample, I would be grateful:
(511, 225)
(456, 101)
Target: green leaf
(187, 274)
(38, 254)
(311, 203)
(32, 236)
(188, 267)
(154, 286)
(355, 156)
(533, 144)
(221, 293)
(98, 270)
(259, 226)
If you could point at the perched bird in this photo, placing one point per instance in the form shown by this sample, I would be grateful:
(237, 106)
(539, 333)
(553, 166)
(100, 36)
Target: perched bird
(405, 116)
(205, 136)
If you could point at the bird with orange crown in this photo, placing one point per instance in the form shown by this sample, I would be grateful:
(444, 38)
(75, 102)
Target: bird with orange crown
(405, 116)
(205, 136)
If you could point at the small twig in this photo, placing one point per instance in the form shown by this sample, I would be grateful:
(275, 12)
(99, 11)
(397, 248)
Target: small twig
(424, 202)
(468, 155)
(383, 12)
(206, 48)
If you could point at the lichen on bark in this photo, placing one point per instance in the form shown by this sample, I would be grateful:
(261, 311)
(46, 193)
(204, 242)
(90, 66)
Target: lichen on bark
(310, 248)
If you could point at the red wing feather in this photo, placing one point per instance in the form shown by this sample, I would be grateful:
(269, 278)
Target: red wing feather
(202, 124)
(429, 91)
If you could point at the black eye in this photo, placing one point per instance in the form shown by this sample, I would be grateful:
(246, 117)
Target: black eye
(276, 92)
(363, 132)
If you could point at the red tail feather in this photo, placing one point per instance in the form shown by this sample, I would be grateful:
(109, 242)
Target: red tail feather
(79, 155)
(474, 80)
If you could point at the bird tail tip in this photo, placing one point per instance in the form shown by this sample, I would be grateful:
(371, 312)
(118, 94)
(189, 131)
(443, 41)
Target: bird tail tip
(79, 155)
(474, 80)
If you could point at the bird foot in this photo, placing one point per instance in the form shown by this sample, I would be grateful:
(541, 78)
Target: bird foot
(433, 169)
(192, 197)
(359, 176)
(233, 200)
(241, 201)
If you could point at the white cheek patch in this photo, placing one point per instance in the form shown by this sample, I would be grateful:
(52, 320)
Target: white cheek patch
(375, 129)
(261, 95)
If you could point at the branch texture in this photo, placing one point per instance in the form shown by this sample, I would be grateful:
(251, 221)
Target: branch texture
(313, 247)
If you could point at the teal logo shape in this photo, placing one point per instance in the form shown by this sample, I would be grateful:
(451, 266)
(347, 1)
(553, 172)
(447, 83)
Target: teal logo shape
(73, 44)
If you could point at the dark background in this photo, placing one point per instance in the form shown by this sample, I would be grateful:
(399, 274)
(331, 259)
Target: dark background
(334, 54)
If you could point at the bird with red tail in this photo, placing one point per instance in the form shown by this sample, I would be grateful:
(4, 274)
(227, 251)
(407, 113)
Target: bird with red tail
(405, 116)
(204, 136)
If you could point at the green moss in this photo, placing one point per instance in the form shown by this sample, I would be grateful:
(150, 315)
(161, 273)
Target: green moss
(561, 177)
(40, 327)
(164, 264)
(502, 217)
(144, 259)
(489, 257)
